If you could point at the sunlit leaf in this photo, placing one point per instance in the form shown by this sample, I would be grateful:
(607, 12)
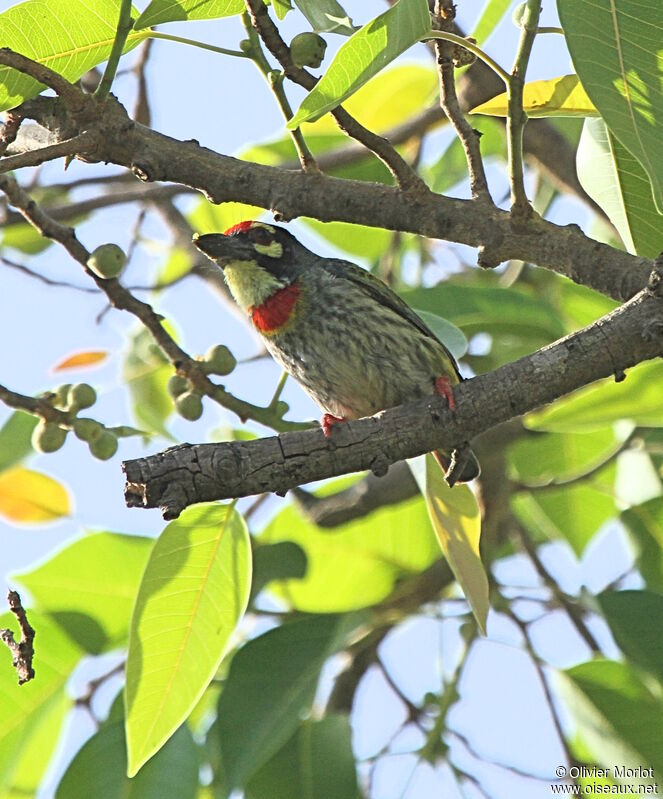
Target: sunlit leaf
(356, 240)
(573, 513)
(317, 762)
(490, 18)
(81, 360)
(24, 710)
(160, 11)
(33, 746)
(637, 398)
(326, 16)
(644, 524)
(617, 714)
(636, 621)
(364, 54)
(15, 438)
(208, 218)
(194, 591)
(271, 683)
(70, 38)
(146, 372)
(284, 560)
(29, 497)
(615, 48)
(455, 516)
(99, 769)
(614, 179)
(563, 96)
(360, 563)
(95, 608)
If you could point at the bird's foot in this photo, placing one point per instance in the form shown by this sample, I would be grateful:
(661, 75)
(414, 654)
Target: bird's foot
(328, 421)
(444, 389)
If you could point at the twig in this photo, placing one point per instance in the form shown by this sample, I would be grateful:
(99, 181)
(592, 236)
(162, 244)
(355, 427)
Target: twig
(572, 611)
(445, 11)
(275, 81)
(517, 118)
(71, 95)
(84, 142)
(37, 406)
(9, 131)
(405, 176)
(22, 651)
(46, 280)
(141, 112)
(123, 300)
(124, 26)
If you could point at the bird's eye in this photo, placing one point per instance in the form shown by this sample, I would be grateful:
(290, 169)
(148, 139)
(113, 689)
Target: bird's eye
(259, 235)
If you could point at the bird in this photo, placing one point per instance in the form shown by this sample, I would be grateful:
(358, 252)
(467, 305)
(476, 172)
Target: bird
(350, 341)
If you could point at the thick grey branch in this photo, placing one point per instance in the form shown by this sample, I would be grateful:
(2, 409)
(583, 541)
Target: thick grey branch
(187, 474)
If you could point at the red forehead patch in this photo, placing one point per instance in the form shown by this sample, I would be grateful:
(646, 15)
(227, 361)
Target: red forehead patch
(240, 227)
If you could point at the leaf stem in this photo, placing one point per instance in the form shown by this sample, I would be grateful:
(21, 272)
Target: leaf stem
(473, 48)
(195, 43)
(516, 116)
(124, 26)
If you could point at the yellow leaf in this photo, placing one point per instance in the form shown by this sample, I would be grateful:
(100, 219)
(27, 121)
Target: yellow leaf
(27, 496)
(455, 517)
(80, 360)
(556, 97)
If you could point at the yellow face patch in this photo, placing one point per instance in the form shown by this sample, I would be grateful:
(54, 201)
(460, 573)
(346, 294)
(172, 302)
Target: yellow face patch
(273, 250)
(250, 284)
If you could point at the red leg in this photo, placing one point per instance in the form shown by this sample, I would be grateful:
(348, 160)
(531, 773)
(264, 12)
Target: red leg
(444, 389)
(328, 421)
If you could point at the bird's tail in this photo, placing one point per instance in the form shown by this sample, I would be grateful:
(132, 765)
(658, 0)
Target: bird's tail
(460, 466)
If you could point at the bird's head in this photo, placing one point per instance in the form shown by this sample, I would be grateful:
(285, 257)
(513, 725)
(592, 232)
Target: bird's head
(257, 259)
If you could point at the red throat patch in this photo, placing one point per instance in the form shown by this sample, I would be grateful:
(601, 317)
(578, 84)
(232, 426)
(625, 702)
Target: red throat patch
(240, 227)
(276, 310)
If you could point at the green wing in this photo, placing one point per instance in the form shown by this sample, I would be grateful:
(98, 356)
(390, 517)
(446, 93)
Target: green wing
(380, 292)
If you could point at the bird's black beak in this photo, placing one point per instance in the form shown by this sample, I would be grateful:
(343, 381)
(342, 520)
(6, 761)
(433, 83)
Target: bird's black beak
(224, 249)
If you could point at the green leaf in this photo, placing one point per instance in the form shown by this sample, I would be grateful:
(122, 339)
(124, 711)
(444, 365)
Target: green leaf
(95, 608)
(23, 710)
(160, 11)
(271, 683)
(366, 53)
(451, 166)
(317, 762)
(326, 16)
(100, 769)
(208, 218)
(366, 557)
(540, 458)
(614, 179)
(617, 58)
(637, 398)
(511, 316)
(554, 97)
(15, 438)
(644, 524)
(281, 7)
(618, 716)
(194, 591)
(636, 622)
(356, 240)
(69, 38)
(146, 372)
(490, 18)
(32, 748)
(450, 335)
(573, 513)
(282, 561)
(580, 306)
(455, 516)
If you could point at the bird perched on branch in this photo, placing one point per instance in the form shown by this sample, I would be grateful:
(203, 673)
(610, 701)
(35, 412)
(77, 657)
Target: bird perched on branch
(345, 336)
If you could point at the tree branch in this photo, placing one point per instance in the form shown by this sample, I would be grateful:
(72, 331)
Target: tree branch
(22, 651)
(183, 475)
(153, 156)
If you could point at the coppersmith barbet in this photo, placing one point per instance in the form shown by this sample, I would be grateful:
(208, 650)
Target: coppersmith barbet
(353, 344)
